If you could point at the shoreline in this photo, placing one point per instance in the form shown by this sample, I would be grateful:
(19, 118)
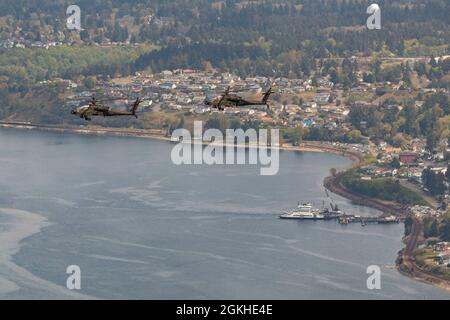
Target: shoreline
(309, 146)
(404, 261)
(406, 265)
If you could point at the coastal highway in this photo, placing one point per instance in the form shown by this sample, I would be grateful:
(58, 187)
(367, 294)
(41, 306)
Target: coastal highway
(407, 264)
(413, 239)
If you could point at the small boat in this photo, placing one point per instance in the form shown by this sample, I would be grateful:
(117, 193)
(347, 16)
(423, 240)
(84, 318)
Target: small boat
(304, 211)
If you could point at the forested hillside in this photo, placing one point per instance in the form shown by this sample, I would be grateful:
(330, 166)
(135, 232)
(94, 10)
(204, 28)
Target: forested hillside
(304, 39)
(263, 37)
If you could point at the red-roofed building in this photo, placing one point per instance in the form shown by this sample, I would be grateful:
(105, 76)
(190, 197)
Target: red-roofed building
(266, 120)
(407, 157)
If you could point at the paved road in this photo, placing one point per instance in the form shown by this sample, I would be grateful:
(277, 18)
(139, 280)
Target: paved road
(408, 260)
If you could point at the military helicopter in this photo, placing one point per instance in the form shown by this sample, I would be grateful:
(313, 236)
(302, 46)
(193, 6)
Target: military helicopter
(95, 109)
(228, 99)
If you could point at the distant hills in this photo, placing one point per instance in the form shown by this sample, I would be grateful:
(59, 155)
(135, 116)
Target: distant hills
(263, 37)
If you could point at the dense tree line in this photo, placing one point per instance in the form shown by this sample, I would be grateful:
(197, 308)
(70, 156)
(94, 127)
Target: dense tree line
(265, 36)
(433, 181)
(437, 227)
(23, 67)
(388, 122)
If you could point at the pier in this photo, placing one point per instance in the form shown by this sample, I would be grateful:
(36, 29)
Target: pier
(346, 219)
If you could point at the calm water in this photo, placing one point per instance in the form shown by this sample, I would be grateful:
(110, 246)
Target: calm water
(140, 227)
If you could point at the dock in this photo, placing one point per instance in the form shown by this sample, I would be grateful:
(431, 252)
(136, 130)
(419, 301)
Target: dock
(346, 219)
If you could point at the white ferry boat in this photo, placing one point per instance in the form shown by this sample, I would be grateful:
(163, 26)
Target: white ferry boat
(304, 211)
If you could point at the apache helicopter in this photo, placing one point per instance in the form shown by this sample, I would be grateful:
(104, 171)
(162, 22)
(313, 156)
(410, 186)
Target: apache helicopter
(96, 109)
(233, 100)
